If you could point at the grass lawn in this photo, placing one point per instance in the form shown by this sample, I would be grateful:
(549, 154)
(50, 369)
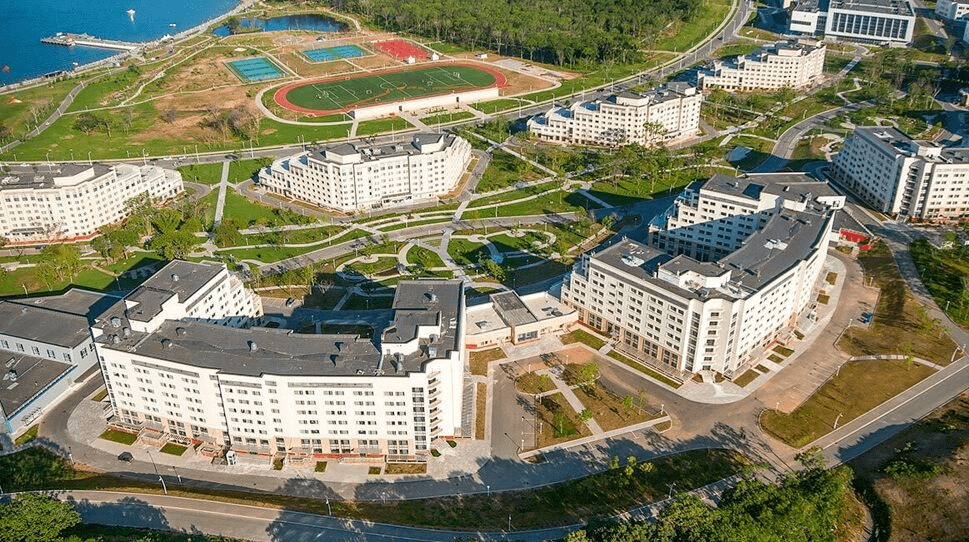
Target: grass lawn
(382, 265)
(29, 435)
(783, 350)
(241, 208)
(14, 282)
(100, 396)
(320, 466)
(202, 173)
(511, 195)
(465, 252)
(173, 449)
(242, 170)
(567, 503)
(746, 378)
(380, 126)
(119, 436)
(444, 118)
(423, 257)
(643, 368)
(900, 325)
(584, 337)
(406, 468)
(480, 409)
(609, 410)
(538, 273)
(831, 278)
(558, 421)
(945, 273)
(505, 170)
(480, 359)
(374, 471)
(857, 388)
(507, 243)
(532, 383)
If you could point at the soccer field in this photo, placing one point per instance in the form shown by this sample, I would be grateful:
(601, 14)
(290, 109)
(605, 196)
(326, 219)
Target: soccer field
(384, 87)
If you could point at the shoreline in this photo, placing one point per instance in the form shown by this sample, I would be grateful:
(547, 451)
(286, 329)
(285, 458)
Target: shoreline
(118, 58)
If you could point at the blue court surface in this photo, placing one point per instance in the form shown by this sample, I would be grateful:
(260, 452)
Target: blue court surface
(255, 69)
(327, 54)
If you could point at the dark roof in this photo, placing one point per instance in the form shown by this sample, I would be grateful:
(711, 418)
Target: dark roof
(43, 325)
(511, 309)
(183, 278)
(33, 375)
(74, 301)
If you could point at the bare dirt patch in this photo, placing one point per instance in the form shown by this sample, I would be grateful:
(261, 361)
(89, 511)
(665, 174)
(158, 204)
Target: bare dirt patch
(519, 83)
(928, 506)
(298, 63)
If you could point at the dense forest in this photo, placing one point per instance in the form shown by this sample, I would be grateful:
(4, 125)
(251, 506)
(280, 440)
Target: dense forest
(563, 32)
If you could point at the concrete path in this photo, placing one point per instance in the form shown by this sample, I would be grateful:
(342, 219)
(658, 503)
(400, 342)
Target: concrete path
(220, 203)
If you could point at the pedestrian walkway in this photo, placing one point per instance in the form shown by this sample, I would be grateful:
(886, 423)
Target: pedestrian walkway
(220, 203)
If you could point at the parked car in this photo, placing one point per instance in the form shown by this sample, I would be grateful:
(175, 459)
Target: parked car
(125, 456)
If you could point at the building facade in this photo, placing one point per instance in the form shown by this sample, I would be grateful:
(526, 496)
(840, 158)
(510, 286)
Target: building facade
(507, 318)
(351, 177)
(790, 64)
(952, 10)
(897, 175)
(882, 22)
(45, 345)
(665, 113)
(273, 391)
(71, 201)
(684, 315)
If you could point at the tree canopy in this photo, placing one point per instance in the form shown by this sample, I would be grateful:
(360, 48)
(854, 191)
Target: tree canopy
(557, 31)
(35, 518)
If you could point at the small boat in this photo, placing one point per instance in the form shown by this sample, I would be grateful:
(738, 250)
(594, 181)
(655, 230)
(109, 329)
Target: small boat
(131, 14)
(171, 25)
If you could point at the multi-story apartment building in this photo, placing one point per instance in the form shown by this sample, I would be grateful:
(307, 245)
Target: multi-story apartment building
(45, 345)
(888, 22)
(712, 219)
(900, 176)
(792, 64)
(350, 177)
(683, 315)
(273, 391)
(71, 201)
(666, 113)
(953, 10)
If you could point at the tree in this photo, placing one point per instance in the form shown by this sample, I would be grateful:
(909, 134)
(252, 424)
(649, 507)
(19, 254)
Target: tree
(35, 518)
(588, 374)
(585, 415)
(58, 262)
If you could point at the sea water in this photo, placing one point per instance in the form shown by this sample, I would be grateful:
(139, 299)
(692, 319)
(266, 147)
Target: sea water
(24, 22)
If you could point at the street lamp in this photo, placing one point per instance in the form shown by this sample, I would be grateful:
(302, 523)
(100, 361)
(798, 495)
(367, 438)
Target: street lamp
(835, 426)
(154, 466)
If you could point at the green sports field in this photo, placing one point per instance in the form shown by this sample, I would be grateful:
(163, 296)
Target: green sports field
(384, 87)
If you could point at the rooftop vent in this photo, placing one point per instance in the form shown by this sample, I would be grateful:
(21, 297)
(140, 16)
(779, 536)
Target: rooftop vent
(11, 375)
(174, 277)
(252, 346)
(115, 339)
(115, 321)
(180, 331)
(432, 351)
(167, 344)
(126, 332)
(632, 261)
(10, 363)
(431, 296)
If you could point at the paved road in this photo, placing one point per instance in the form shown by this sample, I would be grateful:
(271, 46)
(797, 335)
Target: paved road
(65, 103)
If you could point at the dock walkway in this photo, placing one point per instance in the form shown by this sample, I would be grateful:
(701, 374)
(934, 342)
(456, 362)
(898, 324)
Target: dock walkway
(68, 39)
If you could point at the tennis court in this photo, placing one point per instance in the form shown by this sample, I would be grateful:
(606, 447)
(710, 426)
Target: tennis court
(251, 70)
(327, 54)
(401, 49)
(344, 93)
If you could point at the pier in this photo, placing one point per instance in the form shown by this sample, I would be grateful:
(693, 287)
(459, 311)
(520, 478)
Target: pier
(68, 39)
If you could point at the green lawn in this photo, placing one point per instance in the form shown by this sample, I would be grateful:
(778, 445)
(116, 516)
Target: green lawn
(945, 273)
(858, 387)
(511, 195)
(583, 337)
(643, 368)
(119, 436)
(424, 258)
(173, 449)
(242, 170)
(465, 252)
(444, 118)
(505, 170)
(202, 173)
(381, 126)
(14, 282)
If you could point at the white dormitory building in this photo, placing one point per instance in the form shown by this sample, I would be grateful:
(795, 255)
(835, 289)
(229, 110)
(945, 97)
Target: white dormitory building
(273, 391)
(71, 201)
(952, 10)
(666, 113)
(507, 319)
(45, 346)
(900, 176)
(881, 22)
(790, 64)
(351, 177)
(731, 268)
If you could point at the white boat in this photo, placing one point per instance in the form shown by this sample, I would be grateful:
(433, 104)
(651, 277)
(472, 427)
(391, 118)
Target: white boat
(131, 13)
(171, 25)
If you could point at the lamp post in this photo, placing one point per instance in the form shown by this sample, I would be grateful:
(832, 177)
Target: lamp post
(154, 466)
(835, 426)
(89, 158)
(177, 475)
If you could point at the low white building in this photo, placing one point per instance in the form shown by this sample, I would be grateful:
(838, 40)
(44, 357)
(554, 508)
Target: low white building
(71, 201)
(273, 391)
(45, 346)
(900, 176)
(350, 177)
(790, 64)
(683, 315)
(666, 113)
(507, 318)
